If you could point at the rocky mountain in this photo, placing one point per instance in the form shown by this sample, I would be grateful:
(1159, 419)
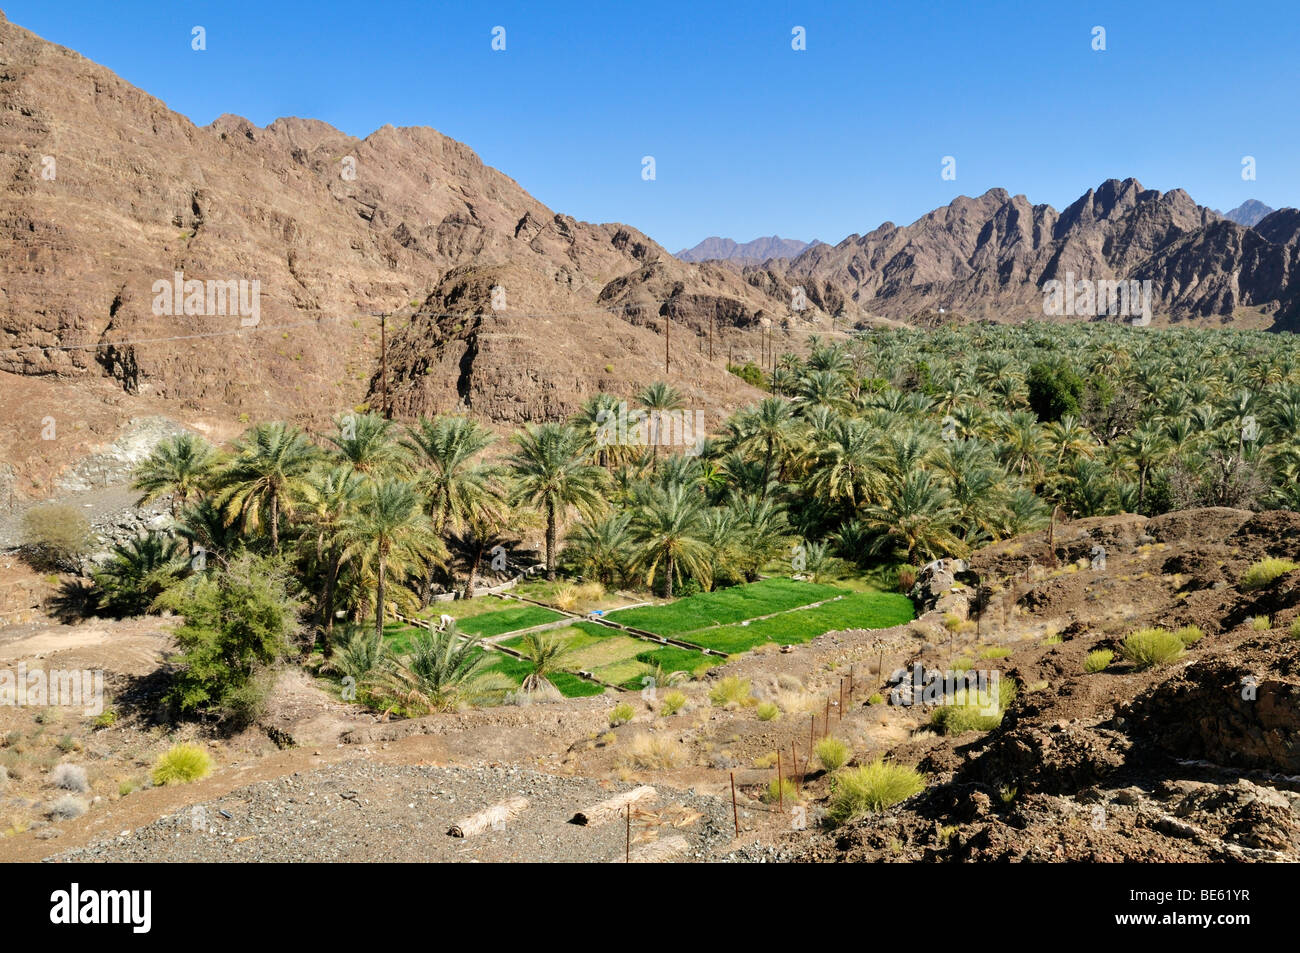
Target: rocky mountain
(757, 251)
(1248, 213)
(108, 196)
(990, 257)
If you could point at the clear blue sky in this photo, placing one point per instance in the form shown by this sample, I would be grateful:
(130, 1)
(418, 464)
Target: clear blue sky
(750, 137)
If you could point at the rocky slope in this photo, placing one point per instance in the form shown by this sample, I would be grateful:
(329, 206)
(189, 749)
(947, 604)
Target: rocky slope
(757, 251)
(1248, 213)
(989, 257)
(107, 192)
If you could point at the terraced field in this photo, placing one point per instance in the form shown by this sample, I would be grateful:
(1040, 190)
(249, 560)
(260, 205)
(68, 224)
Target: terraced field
(724, 606)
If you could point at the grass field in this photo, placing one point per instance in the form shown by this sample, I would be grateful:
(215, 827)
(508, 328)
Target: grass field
(619, 659)
(724, 606)
(861, 610)
(488, 624)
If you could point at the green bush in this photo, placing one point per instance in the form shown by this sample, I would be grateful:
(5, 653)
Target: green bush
(1265, 571)
(238, 624)
(789, 792)
(1190, 634)
(1146, 648)
(857, 792)
(55, 536)
(1294, 631)
(968, 713)
(833, 753)
(621, 714)
(182, 764)
(1261, 623)
(1097, 661)
(672, 703)
(731, 690)
(767, 711)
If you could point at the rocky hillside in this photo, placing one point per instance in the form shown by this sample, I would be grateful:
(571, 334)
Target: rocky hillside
(1248, 213)
(989, 257)
(107, 192)
(757, 251)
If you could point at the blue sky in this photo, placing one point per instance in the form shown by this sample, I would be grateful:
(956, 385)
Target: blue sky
(749, 136)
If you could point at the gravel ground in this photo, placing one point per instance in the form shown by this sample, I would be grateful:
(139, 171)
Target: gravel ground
(367, 812)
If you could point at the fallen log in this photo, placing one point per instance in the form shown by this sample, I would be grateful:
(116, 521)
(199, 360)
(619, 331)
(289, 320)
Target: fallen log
(489, 818)
(614, 808)
(658, 852)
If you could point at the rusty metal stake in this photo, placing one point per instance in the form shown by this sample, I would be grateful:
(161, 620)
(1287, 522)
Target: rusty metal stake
(735, 812)
(780, 790)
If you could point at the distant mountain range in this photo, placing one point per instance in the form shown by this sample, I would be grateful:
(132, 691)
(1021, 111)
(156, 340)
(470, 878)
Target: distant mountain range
(759, 250)
(1248, 213)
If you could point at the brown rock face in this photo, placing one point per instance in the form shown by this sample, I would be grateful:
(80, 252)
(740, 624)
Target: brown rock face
(989, 257)
(107, 193)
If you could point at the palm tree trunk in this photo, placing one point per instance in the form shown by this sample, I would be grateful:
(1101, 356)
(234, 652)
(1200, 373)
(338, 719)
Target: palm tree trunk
(668, 565)
(275, 523)
(331, 579)
(550, 540)
(473, 572)
(379, 599)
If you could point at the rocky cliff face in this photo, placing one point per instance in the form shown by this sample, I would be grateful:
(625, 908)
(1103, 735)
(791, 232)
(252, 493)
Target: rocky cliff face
(107, 192)
(990, 256)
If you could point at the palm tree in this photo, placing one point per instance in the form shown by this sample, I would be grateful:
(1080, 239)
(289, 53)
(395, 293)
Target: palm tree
(1146, 447)
(271, 463)
(658, 398)
(543, 651)
(179, 466)
(919, 518)
(443, 670)
(138, 571)
(455, 482)
(327, 501)
(768, 427)
(366, 443)
(759, 527)
(390, 530)
(602, 549)
(552, 473)
(667, 528)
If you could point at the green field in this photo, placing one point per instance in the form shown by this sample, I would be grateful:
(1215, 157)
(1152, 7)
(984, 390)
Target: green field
(724, 606)
(619, 659)
(488, 624)
(861, 610)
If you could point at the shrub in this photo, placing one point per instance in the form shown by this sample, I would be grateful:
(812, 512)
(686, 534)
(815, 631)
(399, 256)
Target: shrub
(1294, 631)
(1098, 660)
(66, 808)
(1261, 623)
(833, 753)
(1190, 634)
(106, 718)
(125, 787)
(652, 752)
(857, 792)
(1053, 640)
(906, 579)
(787, 791)
(767, 711)
(238, 623)
(673, 702)
(1150, 647)
(621, 714)
(566, 598)
(70, 777)
(55, 536)
(968, 712)
(952, 622)
(731, 690)
(182, 764)
(876, 699)
(995, 653)
(1265, 571)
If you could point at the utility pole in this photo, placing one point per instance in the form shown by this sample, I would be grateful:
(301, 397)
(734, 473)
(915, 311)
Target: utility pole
(383, 362)
(667, 325)
(711, 335)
